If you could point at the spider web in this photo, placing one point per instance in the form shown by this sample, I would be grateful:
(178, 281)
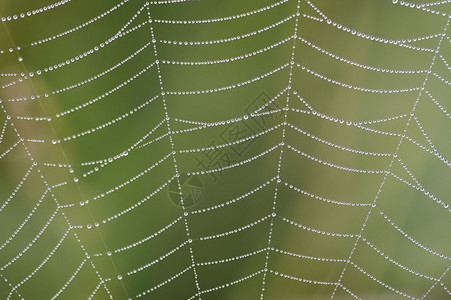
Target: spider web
(178, 149)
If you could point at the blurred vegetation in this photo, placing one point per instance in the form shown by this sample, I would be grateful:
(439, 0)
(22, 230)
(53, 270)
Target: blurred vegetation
(413, 211)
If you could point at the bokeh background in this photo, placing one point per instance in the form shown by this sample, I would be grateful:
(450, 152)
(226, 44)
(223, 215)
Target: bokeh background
(86, 196)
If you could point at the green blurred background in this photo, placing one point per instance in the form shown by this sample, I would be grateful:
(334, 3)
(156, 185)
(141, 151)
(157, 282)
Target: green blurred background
(104, 161)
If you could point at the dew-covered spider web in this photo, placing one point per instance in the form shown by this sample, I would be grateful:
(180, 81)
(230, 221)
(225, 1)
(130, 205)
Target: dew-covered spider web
(206, 149)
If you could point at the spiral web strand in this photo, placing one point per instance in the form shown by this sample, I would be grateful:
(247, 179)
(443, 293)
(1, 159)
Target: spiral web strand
(198, 150)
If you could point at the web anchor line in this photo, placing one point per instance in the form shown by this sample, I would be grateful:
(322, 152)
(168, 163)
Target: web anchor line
(44, 181)
(282, 143)
(177, 174)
